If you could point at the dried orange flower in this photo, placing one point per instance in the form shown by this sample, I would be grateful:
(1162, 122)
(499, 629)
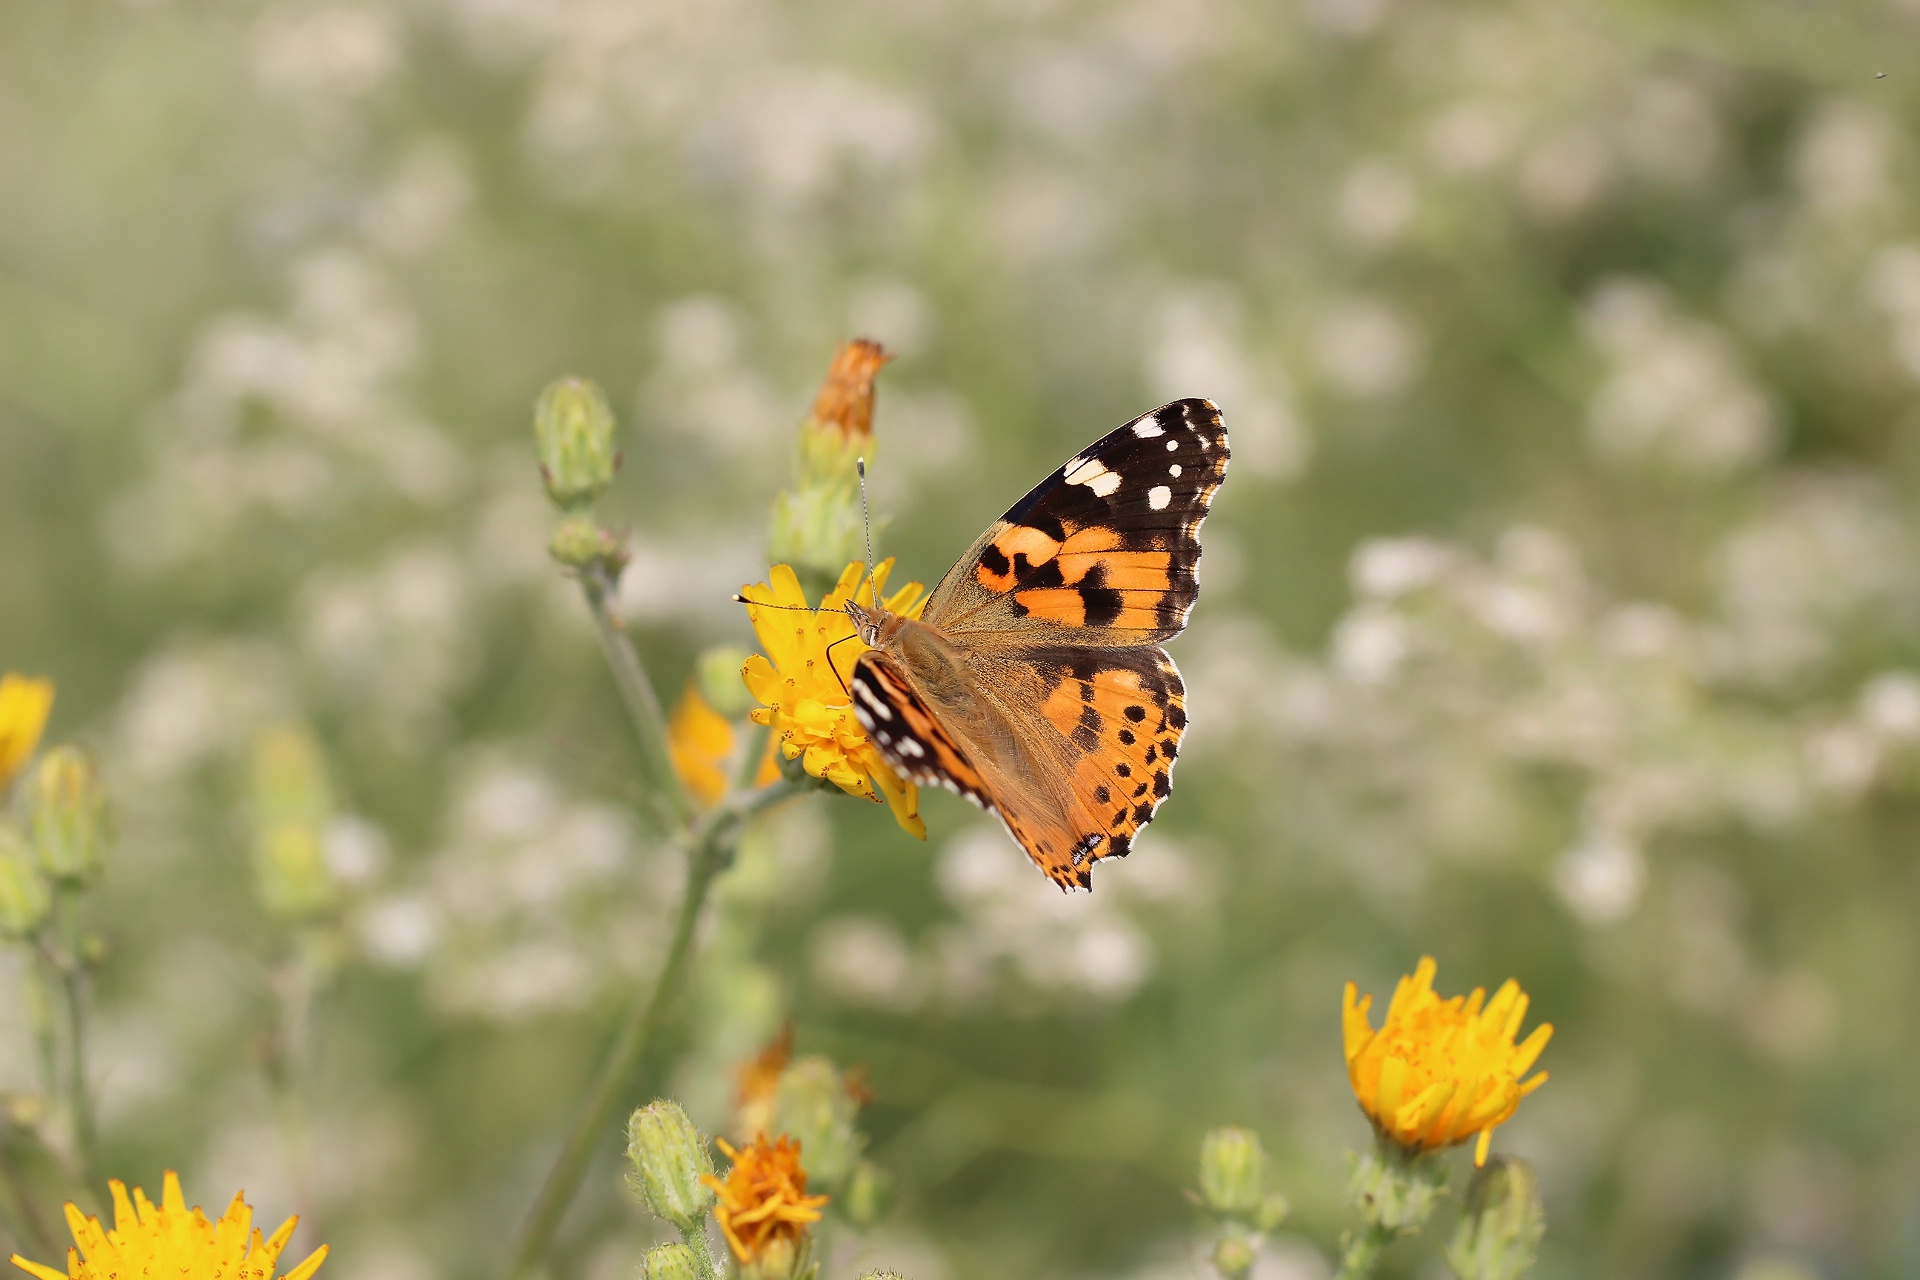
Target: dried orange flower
(845, 402)
(802, 687)
(763, 1204)
(172, 1241)
(24, 705)
(1439, 1072)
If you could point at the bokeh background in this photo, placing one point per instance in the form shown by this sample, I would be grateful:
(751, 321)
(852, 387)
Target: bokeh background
(1561, 613)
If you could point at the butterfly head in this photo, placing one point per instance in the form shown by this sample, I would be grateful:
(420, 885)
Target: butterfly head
(872, 623)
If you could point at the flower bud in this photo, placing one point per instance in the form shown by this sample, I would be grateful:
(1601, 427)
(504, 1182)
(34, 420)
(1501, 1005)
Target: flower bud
(1500, 1224)
(291, 803)
(865, 1198)
(669, 1160)
(718, 674)
(1233, 1169)
(817, 524)
(782, 1258)
(817, 1110)
(671, 1262)
(25, 900)
(578, 543)
(573, 428)
(71, 827)
(1233, 1257)
(881, 1275)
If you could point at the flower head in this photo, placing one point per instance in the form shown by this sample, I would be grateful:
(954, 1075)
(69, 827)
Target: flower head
(845, 403)
(24, 704)
(802, 687)
(764, 1206)
(701, 741)
(1438, 1072)
(174, 1241)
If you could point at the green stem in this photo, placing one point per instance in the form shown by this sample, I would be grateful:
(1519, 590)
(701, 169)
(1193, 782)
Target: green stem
(72, 971)
(16, 1208)
(636, 691)
(711, 851)
(1362, 1252)
(696, 1240)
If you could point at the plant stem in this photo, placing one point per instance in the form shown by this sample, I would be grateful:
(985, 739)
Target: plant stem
(710, 853)
(1362, 1251)
(696, 1240)
(636, 691)
(71, 967)
(16, 1208)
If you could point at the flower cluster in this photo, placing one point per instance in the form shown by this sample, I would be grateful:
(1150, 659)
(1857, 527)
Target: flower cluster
(763, 1205)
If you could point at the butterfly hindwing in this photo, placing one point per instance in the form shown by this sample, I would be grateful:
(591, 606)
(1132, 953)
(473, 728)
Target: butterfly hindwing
(1107, 547)
(907, 733)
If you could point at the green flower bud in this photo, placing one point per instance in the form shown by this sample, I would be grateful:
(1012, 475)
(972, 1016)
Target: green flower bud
(865, 1198)
(25, 900)
(718, 674)
(1233, 1257)
(1233, 1170)
(1501, 1223)
(671, 1262)
(71, 827)
(573, 428)
(1273, 1210)
(781, 1259)
(291, 803)
(881, 1275)
(669, 1160)
(816, 1110)
(579, 544)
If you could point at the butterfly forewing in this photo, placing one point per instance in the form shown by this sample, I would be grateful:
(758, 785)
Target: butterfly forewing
(1106, 548)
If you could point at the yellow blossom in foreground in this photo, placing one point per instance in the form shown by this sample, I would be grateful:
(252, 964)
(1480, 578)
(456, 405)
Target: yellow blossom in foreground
(700, 740)
(803, 691)
(24, 705)
(763, 1204)
(1438, 1072)
(172, 1241)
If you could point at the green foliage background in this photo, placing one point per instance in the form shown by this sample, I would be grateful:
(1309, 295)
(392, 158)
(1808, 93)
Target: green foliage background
(1561, 612)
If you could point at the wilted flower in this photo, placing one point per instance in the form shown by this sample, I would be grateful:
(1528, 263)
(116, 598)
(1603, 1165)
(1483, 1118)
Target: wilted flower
(844, 406)
(802, 688)
(757, 1084)
(24, 706)
(817, 524)
(173, 1241)
(1439, 1072)
(764, 1209)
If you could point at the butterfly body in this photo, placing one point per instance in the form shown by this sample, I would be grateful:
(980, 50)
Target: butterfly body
(1034, 683)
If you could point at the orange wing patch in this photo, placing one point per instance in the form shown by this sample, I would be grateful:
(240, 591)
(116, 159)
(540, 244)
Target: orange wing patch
(1124, 722)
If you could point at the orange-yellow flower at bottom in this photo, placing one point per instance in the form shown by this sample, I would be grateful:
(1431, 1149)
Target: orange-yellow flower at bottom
(801, 682)
(1438, 1072)
(764, 1201)
(172, 1241)
(24, 704)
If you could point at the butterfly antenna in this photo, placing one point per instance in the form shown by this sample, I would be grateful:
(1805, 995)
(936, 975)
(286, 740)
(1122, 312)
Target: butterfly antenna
(866, 516)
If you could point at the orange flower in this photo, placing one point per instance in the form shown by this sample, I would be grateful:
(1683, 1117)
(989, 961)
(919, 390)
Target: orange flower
(764, 1206)
(1439, 1072)
(700, 741)
(24, 704)
(845, 402)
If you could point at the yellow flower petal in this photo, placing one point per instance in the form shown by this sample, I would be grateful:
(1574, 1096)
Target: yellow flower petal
(172, 1241)
(24, 707)
(1439, 1072)
(701, 742)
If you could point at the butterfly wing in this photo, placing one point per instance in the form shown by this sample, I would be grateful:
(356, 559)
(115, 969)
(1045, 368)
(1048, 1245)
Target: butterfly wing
(1105, 550)
(1073, 783)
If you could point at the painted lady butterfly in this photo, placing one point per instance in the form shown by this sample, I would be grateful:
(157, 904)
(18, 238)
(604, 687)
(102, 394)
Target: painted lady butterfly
(1034, 683)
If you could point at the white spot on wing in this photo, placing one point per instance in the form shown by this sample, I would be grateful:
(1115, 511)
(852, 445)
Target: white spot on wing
(1159, 496)
(1147, 429)
(1172, 445)
(1093, 474)
(1174, 470)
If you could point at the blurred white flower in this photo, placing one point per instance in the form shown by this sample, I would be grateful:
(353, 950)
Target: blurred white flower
(1376, 200)
(864, 961)
(335, 50)
(1196, 348)
(1601, 877)
(1368, 349)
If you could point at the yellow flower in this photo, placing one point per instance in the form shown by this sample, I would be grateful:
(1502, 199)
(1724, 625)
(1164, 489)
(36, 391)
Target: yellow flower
(24, 705)
(1437, 1072)
(763, 1204)
(700, 740)
(172, 1241)
(803, 691)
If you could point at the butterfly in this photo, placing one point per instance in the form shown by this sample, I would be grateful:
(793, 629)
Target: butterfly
(1034, 683)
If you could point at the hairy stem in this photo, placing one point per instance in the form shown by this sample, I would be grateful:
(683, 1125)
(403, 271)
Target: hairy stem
(1362, 1250)
(70, 967)
(708, 855)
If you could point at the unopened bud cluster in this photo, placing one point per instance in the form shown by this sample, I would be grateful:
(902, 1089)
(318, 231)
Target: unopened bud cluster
(1233, 1189)
(573, 432)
